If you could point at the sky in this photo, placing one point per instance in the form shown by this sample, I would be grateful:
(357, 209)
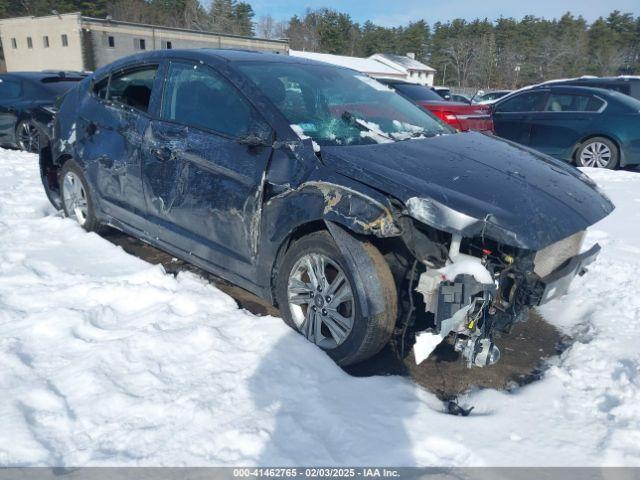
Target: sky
(401, 12)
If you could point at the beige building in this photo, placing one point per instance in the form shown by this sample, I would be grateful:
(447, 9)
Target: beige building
(73, 42)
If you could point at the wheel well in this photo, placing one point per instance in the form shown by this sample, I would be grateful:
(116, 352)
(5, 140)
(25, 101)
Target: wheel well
(589, 137)
(50, 168)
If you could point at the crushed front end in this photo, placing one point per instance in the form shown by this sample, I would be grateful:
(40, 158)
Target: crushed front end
(480, 286)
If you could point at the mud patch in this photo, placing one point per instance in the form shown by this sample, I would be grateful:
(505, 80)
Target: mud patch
(524, 351)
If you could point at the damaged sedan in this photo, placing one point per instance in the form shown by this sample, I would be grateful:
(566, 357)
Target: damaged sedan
(364, 219)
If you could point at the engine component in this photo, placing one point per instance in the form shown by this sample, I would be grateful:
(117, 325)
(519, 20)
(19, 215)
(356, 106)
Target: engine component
(478, 351)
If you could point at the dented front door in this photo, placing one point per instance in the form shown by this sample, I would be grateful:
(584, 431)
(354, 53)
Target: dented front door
(203, 187)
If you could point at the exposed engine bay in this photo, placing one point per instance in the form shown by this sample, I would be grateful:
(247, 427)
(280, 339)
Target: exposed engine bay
(485, 287)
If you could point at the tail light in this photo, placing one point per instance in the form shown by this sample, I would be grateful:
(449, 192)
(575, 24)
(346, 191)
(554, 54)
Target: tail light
(449, 118)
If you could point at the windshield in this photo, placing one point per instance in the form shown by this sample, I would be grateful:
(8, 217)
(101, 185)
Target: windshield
(336, 106)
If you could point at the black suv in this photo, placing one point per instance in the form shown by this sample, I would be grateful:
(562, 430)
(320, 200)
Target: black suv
(624, 84)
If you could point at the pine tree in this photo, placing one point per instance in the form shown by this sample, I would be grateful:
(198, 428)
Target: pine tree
(222, 15)
(243, 19)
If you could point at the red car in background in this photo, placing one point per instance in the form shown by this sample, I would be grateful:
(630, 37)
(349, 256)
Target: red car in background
(461, 116)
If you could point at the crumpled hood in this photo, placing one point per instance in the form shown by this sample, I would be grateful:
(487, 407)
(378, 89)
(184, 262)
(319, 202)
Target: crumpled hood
(527, 199)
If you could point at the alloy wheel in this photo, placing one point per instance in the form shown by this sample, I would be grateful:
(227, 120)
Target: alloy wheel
(321, 300)
(596, 154)
(28, 138)
(75, 197)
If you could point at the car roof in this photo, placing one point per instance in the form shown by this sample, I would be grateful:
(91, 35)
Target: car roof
(620, 79)
(573, 89)
(228, 55)
(46, 74)
(210, 54)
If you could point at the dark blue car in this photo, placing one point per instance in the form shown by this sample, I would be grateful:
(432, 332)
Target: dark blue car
(590, 127)
(27, 106)
(362, 217)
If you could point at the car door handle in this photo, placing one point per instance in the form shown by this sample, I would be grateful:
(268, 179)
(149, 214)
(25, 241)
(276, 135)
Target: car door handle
(163, 154)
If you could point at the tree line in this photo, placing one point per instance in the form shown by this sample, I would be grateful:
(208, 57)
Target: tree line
(505, 53)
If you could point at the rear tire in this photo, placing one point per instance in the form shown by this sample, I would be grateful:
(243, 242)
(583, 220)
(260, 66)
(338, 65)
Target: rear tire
(76, 198)
(598, 152)
(29, 137)
(324, 305)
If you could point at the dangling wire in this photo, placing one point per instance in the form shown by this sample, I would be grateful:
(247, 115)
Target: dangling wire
(405, 327)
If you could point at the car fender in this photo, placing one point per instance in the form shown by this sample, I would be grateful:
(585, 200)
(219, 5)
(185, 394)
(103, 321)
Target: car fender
(354, 207)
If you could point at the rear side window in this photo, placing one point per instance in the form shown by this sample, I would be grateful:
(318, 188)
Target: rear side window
(132, 87)
(417, 93)
(564, 102)
(524, 102)
(198, 96)
(10, 89)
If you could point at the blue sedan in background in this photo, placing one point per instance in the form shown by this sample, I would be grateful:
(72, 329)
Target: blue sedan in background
(590, 127)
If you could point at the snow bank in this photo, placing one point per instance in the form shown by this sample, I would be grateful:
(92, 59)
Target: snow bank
(107, 360)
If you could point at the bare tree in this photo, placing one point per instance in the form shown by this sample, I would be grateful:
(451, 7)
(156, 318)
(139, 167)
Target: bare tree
(461, 53)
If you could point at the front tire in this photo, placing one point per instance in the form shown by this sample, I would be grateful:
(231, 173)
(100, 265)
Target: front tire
(319, 298)
(598, 152)
(76, 200)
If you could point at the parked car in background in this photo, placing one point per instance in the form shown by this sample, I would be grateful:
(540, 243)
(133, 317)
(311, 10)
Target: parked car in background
(590, 127)
(461, 116)
(458, 97)
(629, 85)
(27, 106)
(324, 192)
(444, 92)
(485, 98)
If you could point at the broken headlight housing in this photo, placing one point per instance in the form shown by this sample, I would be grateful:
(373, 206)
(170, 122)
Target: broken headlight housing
(438, 215)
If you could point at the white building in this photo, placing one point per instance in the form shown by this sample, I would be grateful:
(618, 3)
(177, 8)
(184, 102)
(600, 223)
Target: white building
(413, 70)
(380, 65)
(364, 65)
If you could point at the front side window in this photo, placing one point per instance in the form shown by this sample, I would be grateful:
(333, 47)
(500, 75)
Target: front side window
(336, 106)
(10, 89)
(198, 96)
(524, 102)
(132, 87)
(100, 88)
(564, 102)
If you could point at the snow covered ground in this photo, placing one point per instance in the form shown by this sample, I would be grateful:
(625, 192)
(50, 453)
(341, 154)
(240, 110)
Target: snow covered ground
(107, 360)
